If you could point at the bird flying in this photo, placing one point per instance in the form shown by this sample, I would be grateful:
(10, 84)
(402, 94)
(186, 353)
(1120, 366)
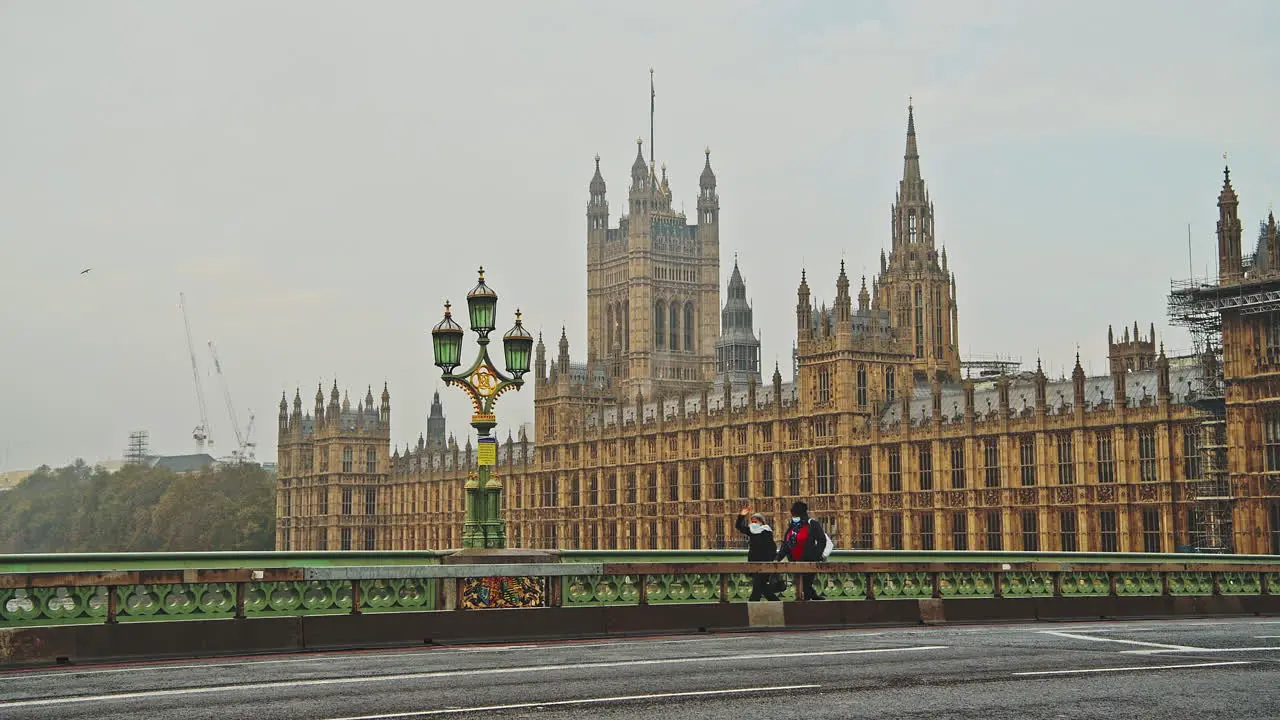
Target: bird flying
(82, 272)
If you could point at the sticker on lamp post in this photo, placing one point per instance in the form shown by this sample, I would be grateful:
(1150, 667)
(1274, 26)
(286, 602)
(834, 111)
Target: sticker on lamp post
(487, 452)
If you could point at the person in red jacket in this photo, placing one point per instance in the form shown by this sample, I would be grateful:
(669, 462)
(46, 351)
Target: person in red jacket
(803, 541)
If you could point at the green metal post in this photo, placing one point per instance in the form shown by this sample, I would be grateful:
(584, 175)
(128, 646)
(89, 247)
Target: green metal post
(483, 527)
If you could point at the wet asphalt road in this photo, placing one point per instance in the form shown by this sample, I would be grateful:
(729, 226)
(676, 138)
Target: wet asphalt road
(1225, 668)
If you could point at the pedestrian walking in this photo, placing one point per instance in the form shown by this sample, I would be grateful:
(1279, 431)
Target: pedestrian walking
(760, 548)
(804, 541)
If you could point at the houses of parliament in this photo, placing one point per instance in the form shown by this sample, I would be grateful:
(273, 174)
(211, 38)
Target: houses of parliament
(667, 427)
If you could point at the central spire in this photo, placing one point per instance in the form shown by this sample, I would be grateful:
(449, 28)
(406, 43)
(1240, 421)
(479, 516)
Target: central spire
(911, 158)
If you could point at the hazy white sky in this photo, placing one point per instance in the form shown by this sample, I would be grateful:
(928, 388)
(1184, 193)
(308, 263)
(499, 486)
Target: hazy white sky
(318, 176)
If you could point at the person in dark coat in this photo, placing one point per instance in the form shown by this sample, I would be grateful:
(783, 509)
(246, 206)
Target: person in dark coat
(760, 548)
(803, 541)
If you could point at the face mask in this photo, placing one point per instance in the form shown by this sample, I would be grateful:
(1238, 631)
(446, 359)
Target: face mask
(755, 527)
(795, 521)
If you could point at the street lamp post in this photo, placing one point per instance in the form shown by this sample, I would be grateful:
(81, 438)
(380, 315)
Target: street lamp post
(483, 383)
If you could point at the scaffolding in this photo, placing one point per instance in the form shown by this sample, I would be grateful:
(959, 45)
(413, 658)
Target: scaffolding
(139, 451)
(989, 366)
(1198, 306)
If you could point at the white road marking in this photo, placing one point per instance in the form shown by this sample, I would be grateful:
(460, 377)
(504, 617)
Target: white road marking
(611, 643)
(202, 690)
(331, 656)
(1204, 650)
(1265, 637)
(1128, 669)
(1074, 636)
(584, 701)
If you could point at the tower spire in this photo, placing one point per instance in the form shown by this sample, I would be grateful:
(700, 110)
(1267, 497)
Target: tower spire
(911, 158)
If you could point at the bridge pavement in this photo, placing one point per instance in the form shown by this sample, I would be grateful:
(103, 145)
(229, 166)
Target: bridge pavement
(1208, 668)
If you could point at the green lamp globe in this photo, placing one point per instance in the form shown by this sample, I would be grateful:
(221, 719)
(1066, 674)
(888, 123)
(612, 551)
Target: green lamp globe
(482, 306)
(446, 341)
(517, 345)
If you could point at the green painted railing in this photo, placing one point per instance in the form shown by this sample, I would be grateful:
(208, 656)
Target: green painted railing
(80, 562)
(98, 588)
(923, 556)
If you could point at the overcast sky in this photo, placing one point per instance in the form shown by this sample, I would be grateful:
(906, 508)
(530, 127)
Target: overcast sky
(318, 176)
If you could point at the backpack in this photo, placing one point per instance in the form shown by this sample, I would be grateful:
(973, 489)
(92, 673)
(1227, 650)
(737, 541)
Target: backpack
(828, 546)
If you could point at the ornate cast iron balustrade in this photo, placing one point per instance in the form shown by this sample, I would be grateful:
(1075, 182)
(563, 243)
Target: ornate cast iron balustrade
(39, 593)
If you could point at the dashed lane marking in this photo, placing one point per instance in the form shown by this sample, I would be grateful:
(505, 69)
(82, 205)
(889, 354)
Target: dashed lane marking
(293, 684)
(584, 701)
(1131, 669)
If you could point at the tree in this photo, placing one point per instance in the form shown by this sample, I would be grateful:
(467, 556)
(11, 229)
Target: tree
(140, 509)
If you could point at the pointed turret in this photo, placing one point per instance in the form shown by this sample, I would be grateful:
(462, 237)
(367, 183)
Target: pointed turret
(368, 398)
(911, 158)
(562, 361)
(597, 207)
(297, 405)
(284, 411)
(319, 404)
(738, 347)
(804, 311)
(844, 302)
(864, 298)
(1268, 252)
(435, 423)
(639, 171)
(539, 360)
(1230, 268)
(346, 403)
(597, 184)
(708, 177)
(912, 211)
(664, 189)
(708, 200)
(384, 410)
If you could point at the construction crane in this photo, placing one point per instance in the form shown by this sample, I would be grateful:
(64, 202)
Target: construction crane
(201, 433)
(245, 446)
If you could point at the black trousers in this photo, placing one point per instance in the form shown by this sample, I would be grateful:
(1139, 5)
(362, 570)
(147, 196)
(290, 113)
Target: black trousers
(760, 587)
(810, 590)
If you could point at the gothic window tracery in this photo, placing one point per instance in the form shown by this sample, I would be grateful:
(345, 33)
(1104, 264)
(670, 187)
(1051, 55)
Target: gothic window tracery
(659, 324)
(688, 326)
(674, 326)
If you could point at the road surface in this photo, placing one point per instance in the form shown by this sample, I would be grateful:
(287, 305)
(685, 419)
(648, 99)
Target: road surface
(1209, 668)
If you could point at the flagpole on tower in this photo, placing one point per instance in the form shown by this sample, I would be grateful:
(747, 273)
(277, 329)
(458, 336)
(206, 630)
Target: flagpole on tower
(652, 99)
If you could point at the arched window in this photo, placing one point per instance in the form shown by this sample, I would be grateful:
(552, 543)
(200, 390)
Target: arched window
(688, 326)
(659, 324)
(862, 386)
(673, 326)
(919, 323)
(890, 392)
(608, 314)
(938, 336)
(626, 324)
(911, 224)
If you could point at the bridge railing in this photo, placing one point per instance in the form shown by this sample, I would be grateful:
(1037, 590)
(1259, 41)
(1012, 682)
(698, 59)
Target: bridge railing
(54, 590)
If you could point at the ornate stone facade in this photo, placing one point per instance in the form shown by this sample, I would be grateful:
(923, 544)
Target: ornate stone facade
(1243, 390)
(878, 432)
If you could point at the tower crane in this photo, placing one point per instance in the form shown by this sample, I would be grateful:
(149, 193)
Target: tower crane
(201, 432)
(245, 446)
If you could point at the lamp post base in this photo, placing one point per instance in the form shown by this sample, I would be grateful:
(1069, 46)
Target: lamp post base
(484, 528)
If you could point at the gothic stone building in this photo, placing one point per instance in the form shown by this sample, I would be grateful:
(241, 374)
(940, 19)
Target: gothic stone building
(666, 430)
(1241, 380)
